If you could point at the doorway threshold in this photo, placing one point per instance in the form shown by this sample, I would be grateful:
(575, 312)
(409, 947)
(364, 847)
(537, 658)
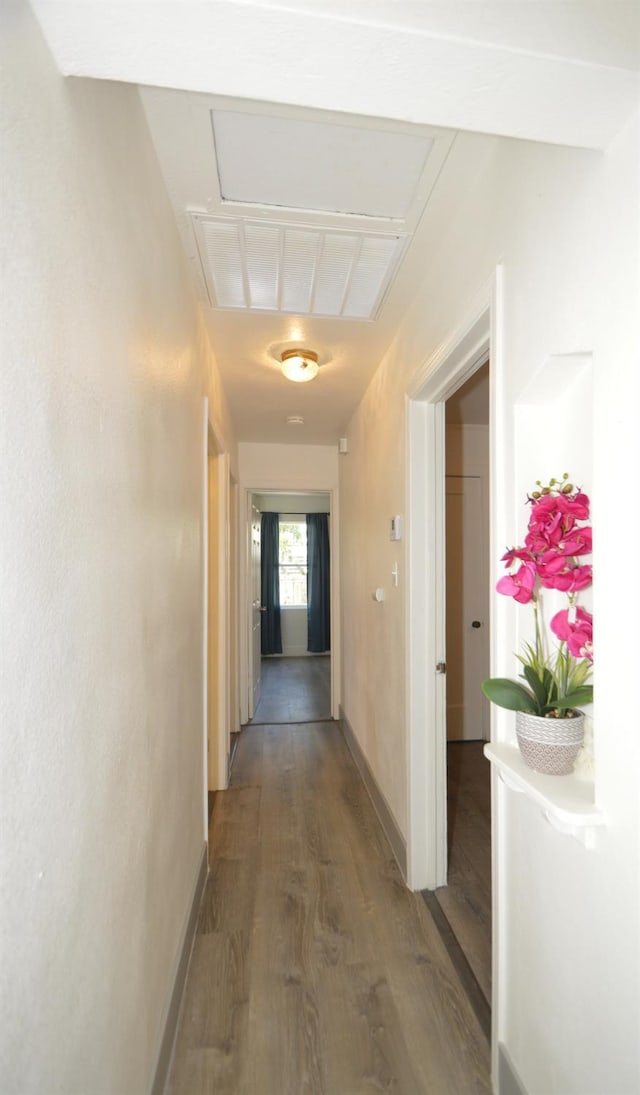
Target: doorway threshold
(468, 979)
(235, 738)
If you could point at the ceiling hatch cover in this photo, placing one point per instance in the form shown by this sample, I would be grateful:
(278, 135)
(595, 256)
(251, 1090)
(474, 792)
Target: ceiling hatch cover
(295, 268)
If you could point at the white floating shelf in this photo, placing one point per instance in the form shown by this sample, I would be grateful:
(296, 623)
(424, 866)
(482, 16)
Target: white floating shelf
(567, 802)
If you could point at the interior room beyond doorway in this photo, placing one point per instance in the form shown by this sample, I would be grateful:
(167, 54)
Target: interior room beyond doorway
(295, 674)
(466, 899)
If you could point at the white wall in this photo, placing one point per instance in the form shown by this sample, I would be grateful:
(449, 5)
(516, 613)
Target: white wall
(293, 503)
(565, 225)
(297, 468)
(104, 365)
(294, 631)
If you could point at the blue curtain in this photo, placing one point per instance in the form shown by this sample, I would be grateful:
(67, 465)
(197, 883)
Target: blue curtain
(318, 584)
(270, 630)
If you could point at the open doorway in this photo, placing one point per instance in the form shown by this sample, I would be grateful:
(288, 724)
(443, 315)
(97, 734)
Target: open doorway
(294, 599)
(466, 899)
(474, 343)
(219, 663)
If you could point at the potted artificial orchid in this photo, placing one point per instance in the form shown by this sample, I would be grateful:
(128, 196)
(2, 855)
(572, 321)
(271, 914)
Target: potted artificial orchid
(549, 726)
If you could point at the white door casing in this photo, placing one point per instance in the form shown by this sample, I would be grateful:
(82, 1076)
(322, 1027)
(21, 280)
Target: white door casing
(297, 484)
(256, 610)
(453, 362)
(216, 673)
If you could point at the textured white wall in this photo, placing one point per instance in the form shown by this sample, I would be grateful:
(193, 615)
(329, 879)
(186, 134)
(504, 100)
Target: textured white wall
(294, 632)
(287, 467)
(293, 503)
(104, 364)
(565, 226)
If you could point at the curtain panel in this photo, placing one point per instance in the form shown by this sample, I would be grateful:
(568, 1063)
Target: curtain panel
(318, 584)
(270, 627)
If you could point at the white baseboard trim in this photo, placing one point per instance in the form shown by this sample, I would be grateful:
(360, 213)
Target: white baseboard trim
(172, 1012)
(509, 1083)
(380, 804)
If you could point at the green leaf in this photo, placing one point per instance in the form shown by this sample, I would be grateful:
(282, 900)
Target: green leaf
(538, 687)
(584, 694)
(551, 686)
(570, 701)
(509, 694)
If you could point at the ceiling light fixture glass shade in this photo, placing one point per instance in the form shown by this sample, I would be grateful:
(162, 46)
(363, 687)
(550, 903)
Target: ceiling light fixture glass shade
(299, 365)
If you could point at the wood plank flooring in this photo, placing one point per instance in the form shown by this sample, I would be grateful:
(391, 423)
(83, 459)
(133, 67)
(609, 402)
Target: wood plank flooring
(466, 900)
(315, 971)
(294, 690)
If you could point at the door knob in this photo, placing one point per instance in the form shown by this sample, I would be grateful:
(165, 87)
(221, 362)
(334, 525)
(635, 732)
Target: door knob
(441, 667)
(476, 623)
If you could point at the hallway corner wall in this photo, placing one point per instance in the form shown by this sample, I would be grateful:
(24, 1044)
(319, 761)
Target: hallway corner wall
(105, 360)
(563, 225)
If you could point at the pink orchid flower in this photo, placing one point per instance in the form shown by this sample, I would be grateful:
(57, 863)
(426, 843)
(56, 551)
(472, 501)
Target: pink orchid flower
(512, 554)
(575, 504)
(519, 585)
(551, 505)
(578, 542)
(544, 508)
(578, 635)
(568, 579)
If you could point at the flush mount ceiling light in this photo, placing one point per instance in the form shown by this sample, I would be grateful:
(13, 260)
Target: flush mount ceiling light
(299, 365)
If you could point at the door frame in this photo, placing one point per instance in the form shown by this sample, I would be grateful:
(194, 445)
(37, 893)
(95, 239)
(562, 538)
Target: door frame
(291, 487)
(443, 373)
(214, 443)
(251, 680)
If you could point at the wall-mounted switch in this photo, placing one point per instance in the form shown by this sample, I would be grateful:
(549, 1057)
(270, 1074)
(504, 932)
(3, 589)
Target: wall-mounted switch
(396, 527)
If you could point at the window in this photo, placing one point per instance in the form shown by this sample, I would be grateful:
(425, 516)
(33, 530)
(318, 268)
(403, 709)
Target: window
(292, 560)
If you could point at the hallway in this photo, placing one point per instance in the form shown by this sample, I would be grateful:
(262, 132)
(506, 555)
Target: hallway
(294, 690)
(314, 968)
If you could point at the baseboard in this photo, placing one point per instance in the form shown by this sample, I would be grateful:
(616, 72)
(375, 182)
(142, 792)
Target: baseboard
(380, 804)
(172, 1013)
(509, 1083)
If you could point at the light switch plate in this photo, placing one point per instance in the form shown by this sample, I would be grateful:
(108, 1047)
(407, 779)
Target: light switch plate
(396, 527)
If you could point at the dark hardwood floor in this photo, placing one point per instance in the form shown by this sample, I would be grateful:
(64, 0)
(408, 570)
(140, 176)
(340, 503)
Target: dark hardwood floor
(315, 970)
(294, 690)
(466, 900)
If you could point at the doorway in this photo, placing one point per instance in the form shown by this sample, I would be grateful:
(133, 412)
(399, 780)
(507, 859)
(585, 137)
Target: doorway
(466, 899)
(290, 579)
(477, 339)
(220, 661)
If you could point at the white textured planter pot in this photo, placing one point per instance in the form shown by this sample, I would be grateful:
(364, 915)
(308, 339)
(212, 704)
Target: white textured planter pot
(549, 745)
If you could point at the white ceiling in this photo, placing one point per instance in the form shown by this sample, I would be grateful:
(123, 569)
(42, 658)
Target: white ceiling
(375, 90)
(386, 168)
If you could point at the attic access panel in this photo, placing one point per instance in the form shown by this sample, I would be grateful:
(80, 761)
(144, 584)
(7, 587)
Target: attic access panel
(295, 268)
(298, 164)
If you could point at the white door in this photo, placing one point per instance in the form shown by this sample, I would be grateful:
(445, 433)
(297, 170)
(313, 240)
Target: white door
(467, 597)
(256, 612)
